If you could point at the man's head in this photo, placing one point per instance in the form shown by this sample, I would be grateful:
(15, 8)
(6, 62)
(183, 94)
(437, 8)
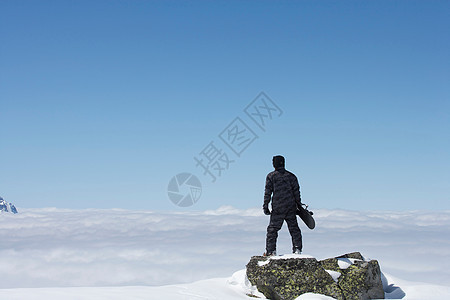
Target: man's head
(278, 161)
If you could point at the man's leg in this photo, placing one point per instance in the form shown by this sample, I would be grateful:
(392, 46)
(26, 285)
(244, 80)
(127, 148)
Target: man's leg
(276, 221)
(294, 230)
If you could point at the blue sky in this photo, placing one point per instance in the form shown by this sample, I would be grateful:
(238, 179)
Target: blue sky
(103, 102)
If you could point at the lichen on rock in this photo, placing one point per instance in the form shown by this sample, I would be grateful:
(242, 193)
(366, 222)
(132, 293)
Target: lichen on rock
(362, 280)
(286, 279)
(289, 278)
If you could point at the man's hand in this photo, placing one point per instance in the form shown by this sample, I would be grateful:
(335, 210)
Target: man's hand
(266, 210)
(299, 205)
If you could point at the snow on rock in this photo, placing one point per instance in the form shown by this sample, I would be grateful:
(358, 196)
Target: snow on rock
(344, 263)
(289, 256)
(334, 274)
(312, 296)
(263, 263)
(284, 256)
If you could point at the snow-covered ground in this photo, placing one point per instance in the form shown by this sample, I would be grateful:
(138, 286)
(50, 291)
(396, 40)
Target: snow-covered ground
(123, 254)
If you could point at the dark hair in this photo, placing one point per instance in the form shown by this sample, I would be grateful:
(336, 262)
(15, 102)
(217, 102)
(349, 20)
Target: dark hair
(278, 161)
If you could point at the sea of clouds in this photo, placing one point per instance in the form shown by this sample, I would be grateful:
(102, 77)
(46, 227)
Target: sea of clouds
(115, 247)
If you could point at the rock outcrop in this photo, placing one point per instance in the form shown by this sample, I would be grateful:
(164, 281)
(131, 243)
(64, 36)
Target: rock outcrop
(345, 277)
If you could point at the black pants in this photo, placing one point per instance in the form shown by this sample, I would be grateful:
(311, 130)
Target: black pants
(276, 222)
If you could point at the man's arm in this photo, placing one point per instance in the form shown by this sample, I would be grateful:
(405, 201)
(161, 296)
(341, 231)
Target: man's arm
(296, 187)
(267, 194)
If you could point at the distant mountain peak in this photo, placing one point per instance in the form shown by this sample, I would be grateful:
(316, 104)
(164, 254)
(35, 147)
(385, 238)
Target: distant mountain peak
(7, 207)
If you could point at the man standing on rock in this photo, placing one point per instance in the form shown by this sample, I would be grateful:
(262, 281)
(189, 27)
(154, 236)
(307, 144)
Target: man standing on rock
(283, 189)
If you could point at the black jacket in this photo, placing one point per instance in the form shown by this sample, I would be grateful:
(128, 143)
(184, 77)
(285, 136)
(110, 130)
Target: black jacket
(283, 189)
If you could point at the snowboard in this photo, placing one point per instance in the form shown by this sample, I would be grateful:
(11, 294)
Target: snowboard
(306, 216)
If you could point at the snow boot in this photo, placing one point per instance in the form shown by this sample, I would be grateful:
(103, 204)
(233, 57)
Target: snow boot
(297, 251)
(273, 253)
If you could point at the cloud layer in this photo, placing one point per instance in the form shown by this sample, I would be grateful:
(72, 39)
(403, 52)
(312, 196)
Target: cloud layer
(56, 247)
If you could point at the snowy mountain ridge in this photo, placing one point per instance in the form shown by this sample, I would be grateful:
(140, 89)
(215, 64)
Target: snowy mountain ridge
(7, 207)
